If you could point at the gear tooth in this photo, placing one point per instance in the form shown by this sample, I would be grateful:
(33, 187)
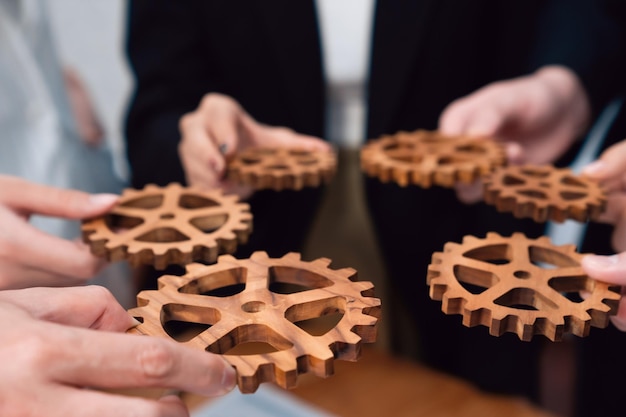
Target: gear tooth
(450, 247)
(192, 267)
(229, 258)
(493, 235)
(323, 262)
(151, 187)
(292, 256)
(259, 256)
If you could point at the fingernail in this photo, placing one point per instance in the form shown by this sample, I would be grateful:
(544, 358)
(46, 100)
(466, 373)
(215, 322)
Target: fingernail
(135, 322)
(601, 262)
(223, 148)
(594, 168)
(103, 200)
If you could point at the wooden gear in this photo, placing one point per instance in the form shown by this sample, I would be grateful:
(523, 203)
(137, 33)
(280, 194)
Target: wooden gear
(254, 310)
(516, 284)
(171, 225)
(282, 168)
(544, 193)
(425, 158)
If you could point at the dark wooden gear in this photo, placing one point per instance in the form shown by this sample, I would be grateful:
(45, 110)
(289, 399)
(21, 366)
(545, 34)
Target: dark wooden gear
(427, 158)
(519, 285)
(282, 168)
(264, 300)
(544, 193)
(170, 225)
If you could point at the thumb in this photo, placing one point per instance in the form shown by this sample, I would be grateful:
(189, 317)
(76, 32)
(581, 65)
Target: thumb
(610, 164)
(611, 269)
(34, 198)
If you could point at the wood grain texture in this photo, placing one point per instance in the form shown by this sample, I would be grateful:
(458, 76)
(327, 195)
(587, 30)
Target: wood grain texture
(427, 158)
(519, 285)
(161, 226)
(282, 168)
(544, 193)
(266, 305)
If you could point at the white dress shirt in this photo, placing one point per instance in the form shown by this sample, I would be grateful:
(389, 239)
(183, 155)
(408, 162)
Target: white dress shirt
(346, 31)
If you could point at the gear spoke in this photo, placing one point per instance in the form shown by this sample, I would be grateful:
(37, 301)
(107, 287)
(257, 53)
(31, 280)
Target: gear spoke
(166, 235)
(521, 286)
(544, 193)
(434, 159)
(257, 315)
(282, 168)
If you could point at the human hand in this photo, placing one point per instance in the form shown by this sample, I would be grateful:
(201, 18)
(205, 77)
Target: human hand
(50, 353)
(611, 269)
(537, 117)
(218, 128)
(610, 171)
(87, 122)
(30, 257)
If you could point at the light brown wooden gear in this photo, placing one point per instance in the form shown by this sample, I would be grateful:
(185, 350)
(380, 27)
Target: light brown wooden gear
(254, 310)
(519, 285)
(170, 225)
(282, 168)
(544, 193)
(427, 158)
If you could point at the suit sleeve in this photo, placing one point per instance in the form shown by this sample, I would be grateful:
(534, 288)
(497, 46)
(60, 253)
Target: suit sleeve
(171, 73)
(587, 37)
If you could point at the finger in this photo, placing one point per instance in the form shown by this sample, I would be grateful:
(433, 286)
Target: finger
(199, 175)
(469, 193)
(16, 276)
(91, 307)
(610, 269)
(49, 201)
(611, 163)
(515, 154)
(615, 209)
(282, 137)
(73, 402)
(618, 238)
(454, 117)
(34, 248)
(483, 113)
(222, 123)
(198, 145)
(112, 360)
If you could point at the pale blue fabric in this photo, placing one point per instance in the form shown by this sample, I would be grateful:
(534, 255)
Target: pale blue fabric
(268, 401)
(38, 137)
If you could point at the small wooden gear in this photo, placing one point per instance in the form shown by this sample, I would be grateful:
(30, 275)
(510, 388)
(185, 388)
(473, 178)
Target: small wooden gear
(519, 285)
(282, 168)
(427, 158)
(266, 301)
(170, 225)
(544, 193)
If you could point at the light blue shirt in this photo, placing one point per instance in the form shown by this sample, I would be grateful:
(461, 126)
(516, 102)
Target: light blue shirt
(38, 137)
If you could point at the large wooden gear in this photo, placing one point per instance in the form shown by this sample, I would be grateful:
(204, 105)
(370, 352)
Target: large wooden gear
(282, 168)
(428, 158)
(170, 225)
(241, 301)
(519, 285)
(544, 193)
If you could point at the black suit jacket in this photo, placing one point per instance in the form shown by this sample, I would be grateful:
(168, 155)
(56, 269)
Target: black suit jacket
(425, 53)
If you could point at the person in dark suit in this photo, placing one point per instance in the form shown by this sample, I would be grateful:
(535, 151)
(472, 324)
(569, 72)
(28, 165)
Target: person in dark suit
(261, 62)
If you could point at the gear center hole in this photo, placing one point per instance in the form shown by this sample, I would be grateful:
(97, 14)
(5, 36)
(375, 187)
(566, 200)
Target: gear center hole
(167, 216)
(253, 306)
(521, 274)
